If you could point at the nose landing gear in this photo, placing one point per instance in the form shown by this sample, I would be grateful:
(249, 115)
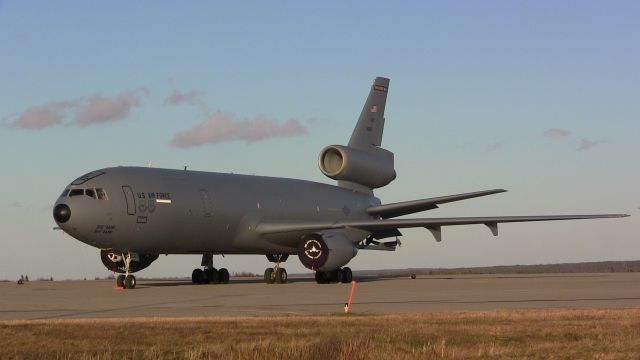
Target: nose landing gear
(276, 274)
(126, 280)
(209, 275)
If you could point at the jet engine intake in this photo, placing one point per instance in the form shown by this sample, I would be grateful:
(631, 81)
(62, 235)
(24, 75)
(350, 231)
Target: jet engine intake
(373, 168)
(325, 252)
(114, 261)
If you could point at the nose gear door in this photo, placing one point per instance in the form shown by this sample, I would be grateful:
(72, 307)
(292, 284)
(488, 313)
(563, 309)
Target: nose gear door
(129, 199)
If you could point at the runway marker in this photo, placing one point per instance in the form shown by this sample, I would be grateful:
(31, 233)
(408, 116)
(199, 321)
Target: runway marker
(347, 306)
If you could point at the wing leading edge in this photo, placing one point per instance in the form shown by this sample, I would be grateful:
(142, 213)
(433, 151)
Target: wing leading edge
(392, 210)
(433, 225)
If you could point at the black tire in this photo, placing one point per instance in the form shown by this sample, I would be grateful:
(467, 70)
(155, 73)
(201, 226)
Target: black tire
(322, 277)
(347, 275)
(269, 276)
(196, 276)
(334, 276)
(281, 276)
(120, 281)
(130, 282)
(223, 275)
(211, 276)
(338, 276)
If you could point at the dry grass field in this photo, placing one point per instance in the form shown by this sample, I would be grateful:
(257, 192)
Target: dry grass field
(506, 334)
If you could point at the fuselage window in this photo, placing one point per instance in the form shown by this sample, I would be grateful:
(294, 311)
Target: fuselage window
(65, 193)
(102, 195)
(90, 193)
(76, 192)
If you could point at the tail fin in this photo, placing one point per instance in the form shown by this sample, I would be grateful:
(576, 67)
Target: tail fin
(368, 130)
(363, 165)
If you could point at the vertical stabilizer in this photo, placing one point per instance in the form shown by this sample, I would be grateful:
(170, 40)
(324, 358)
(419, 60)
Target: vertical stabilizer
(368, 130)
(363, 165)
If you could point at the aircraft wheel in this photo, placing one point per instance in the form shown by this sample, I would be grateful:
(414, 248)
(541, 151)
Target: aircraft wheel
(223, 275)
(120, 281)
(347, 275)
(269, 276)
(321, 277)
(211, 276)
(130, 282)
(281, 276)
(335, 276)
(196, 276)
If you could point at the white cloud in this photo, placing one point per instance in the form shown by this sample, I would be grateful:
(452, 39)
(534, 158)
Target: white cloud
(222, 127)
(587, 144)
(178, 97)
(556, 133)
(495, 146)
(100, 109)
(42, 116)
(86, 111)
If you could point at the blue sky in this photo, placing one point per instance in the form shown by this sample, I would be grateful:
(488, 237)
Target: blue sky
(540, 98)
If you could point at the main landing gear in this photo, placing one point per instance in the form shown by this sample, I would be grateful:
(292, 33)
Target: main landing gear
(209, 275)
(343, 275)
(276, 274)
(126, 280)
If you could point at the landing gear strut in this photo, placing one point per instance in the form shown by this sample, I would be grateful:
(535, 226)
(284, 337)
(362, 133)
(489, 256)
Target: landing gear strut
(209, 275)
(276, 274)
(126, 281)
(343, 275)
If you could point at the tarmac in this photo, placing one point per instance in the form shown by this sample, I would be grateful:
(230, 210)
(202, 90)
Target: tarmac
(250, 297)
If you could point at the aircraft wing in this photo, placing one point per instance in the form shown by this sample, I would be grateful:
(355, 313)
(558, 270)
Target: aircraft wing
(434, 225)
(410, 207)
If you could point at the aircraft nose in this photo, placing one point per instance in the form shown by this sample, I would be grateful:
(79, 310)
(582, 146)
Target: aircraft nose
(61, 213)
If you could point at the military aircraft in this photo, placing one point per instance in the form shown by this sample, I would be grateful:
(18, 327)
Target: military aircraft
(133, 214)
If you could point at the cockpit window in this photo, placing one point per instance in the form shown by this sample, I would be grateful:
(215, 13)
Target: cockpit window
(90, 193)
(76, 192)
(102, 195)
(98, 193)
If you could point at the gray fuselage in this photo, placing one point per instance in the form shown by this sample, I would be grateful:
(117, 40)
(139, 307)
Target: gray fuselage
(164, 211)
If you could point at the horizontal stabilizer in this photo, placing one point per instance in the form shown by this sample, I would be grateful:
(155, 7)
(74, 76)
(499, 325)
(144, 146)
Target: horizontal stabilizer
(410, 207)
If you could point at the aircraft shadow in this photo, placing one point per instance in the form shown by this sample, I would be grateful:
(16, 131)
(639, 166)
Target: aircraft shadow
(168, 283)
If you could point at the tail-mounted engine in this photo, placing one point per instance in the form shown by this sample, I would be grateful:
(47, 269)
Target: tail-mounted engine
(372, 168)
(114, 261)
(325, 252)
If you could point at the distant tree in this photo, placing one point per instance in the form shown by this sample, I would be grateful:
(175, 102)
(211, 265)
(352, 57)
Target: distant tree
(26, 278)
(51, 278)
(21, 277)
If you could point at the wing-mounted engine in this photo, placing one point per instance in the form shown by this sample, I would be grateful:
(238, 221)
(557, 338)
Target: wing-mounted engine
(372, 168)
(326, 252)
(114, 261)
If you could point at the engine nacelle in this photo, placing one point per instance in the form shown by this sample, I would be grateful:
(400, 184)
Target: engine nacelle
(325, 252)
(372, 169)
(114, 261)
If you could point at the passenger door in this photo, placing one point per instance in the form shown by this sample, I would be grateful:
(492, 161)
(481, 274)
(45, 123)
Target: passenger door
(129, 199)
